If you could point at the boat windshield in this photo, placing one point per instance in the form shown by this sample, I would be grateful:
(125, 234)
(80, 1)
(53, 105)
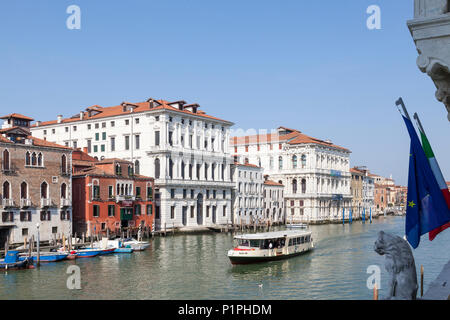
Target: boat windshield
(249, 243)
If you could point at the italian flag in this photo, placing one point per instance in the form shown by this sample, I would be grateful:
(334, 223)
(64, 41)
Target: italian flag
(439, 178)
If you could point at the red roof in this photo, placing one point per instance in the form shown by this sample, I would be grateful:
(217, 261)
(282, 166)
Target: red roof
(98, 112)
(247, 165)
(36, 141)
(18, 116)
(293, 138)
(273, 183)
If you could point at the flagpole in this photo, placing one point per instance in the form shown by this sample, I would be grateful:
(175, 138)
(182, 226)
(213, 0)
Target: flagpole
(400, 102)
(419, 124)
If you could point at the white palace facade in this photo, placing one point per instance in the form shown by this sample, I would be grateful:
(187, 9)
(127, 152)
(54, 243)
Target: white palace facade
(315, 173)
(182, 147)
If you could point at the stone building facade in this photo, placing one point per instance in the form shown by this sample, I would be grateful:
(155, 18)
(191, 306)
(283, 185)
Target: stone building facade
(108, 195)
(184, 149)
(430, 29)
(274, 205)
(363, 193)
(36, 187)
(248, 201)
(315, 173)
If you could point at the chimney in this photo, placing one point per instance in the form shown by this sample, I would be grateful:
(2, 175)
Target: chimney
(38, 123)
(59, 118)
(81, 115)
(85, 150)
(266, 177)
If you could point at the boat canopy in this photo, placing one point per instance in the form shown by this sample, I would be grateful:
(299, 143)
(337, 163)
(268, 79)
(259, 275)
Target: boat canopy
(273, 235)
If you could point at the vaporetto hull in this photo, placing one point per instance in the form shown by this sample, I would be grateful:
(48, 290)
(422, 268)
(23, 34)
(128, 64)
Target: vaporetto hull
(250, 260)
(256, 248)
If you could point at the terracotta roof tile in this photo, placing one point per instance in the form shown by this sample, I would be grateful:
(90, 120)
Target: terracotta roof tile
(246, 165)
(295, 137)
(18, 116)
(105, 112)
(45, 143)
(273, 183)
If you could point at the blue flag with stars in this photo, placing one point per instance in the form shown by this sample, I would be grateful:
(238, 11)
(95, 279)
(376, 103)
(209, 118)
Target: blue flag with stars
(426, 207)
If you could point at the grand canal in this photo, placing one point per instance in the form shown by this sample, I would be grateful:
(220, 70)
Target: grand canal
(196, 267)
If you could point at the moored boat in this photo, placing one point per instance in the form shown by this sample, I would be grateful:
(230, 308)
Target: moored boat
(12, 261)
(45, 256)
(269, 246)
(82, 253)
(113, 246)
(135, 244)
(297, 226)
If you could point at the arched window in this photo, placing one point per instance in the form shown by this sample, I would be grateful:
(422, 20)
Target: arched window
(294, 161)
(24, 191)
(6, 187)
(137, 168)
(118, 170)
(27, 159)
(294, 186)
(157, 168)
(303, 161)
(5, 163)
(33, 159)
(39, 160)
(44, 190)
(130, 171)
(280, 162)
(63, 191)
(63, 163)
(303, 185)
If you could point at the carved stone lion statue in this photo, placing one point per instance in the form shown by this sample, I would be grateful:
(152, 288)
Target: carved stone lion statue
(399, 264)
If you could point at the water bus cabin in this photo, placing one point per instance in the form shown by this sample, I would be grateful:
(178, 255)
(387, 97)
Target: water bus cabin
(269, 246)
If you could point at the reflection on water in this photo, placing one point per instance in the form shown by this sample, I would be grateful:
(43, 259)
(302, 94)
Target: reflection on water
(197, 267)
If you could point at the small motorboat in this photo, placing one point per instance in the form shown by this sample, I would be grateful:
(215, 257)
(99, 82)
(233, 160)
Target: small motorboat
(111, 246)
(135, 244)
(82, 253)
(45, 256)
(106, 251)
(123, 250)
(12, 261)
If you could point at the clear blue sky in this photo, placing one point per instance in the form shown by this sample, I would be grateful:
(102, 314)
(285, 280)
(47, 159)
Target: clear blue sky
(261, 64)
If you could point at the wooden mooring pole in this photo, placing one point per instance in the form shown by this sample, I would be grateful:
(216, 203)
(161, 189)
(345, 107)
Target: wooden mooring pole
(421, 281)
(375, 292)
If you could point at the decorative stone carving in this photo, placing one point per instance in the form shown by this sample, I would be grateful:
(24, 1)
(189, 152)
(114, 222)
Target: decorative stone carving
(426, 8)
(430, 30)
(399, 264)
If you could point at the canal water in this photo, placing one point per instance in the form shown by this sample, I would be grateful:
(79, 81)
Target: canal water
(197, 267)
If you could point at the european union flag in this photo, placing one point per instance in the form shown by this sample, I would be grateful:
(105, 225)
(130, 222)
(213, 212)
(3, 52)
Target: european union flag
(426, 208)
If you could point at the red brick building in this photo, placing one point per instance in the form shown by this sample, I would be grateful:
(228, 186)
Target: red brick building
(35, 184)
(108, 195)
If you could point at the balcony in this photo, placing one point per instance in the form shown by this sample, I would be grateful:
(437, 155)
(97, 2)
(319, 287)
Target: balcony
(65, 203)
(7, 169)
(25, 203)
(125, 198)
(7, 203)
(46, 203)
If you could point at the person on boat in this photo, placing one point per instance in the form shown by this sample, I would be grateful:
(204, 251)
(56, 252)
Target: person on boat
(270, 245)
